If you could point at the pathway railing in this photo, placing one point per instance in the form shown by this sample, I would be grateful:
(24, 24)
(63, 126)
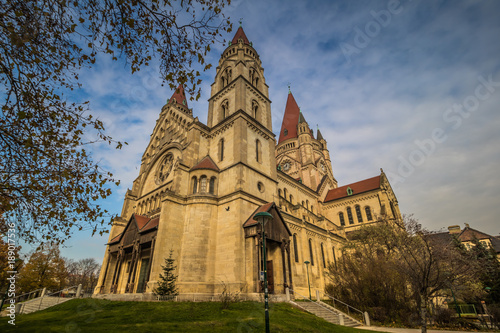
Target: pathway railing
(70, 292)
(350, 310)
(28, 296)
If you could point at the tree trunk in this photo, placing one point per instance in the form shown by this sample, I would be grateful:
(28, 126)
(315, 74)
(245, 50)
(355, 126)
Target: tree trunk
(423, 313)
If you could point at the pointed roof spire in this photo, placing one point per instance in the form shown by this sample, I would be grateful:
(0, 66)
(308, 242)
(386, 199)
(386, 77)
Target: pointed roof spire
(290, 119)
(240, 34)
(301, 118)
(178, 96)
(319, 136)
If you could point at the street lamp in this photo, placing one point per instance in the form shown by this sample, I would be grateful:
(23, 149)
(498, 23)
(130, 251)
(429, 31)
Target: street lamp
(262, 218)
(308, 283)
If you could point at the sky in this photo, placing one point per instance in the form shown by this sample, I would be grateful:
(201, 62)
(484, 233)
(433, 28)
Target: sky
(412, 87)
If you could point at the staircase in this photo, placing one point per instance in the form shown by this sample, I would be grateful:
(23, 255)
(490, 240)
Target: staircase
(328, 313)
(41, 303)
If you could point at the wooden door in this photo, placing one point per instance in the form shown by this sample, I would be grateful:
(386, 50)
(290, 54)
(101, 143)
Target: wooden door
(270, 277)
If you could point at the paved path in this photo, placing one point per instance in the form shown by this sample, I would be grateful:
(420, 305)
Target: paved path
(403, 330)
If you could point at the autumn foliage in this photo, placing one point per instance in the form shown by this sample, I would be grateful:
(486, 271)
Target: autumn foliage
(49, 182)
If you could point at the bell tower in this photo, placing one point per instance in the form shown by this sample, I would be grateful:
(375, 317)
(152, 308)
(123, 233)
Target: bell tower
(239, 84)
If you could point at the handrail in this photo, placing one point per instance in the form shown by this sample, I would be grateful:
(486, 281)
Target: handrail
(60, 291)
(29, 294)
(56, 294)
(307, 299)
(347, 306)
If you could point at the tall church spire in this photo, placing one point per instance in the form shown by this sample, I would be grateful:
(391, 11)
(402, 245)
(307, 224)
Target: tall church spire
(240, 34)
(178, 96)
(290, 119)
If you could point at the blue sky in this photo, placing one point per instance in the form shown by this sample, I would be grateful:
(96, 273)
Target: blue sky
(412, 87)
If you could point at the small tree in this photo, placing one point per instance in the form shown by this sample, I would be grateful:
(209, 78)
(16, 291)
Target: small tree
(166, 284)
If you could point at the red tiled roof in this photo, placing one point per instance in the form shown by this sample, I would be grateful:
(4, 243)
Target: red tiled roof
(357, 188)
(144, 223)
(240, 34)
(115, 239)
(206, 163)
(151, 224)
(179, 96)
(290, 119)
(141, 220)
(264, 208)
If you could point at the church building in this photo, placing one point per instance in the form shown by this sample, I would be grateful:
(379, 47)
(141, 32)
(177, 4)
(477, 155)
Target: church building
(200, 185)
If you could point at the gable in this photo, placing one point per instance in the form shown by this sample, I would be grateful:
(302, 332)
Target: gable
(136, 226)
(276, 230)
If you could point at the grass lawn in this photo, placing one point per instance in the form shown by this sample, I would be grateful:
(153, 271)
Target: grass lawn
(92, 315)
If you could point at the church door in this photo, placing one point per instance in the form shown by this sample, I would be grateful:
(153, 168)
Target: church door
(270, 277)
(142, 275)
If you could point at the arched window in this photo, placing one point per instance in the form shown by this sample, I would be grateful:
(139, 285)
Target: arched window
(224, 110)
(279, 193)
(334, 257)
(349, 215)
(341, 218)
(195, 185)
(311, 252)
(212, 185)
(295, 248)
(291, 199)
(358, 214)
(285, 193)
(255, 109)
(303, 204)
(307, 204)
(368, 212)
(258, 151)
(203, 184)
(323, 255)
(221, 149)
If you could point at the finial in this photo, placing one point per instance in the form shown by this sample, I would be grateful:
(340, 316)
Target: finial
(317, 127)
(289, 91)
(241, 20)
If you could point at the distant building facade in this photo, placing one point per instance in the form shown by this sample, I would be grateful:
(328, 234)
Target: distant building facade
(199, 187)
(468, 237)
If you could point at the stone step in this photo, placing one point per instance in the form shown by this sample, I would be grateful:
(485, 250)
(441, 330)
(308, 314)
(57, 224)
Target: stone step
(41, 304)
(329, 314)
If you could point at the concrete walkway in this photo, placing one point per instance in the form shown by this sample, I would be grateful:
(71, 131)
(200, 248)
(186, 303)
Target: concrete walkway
(403, 330)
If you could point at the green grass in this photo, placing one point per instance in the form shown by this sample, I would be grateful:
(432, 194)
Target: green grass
(92, 315)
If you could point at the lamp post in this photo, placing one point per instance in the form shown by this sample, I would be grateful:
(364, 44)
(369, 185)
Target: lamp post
(308, 283)
(262, 218)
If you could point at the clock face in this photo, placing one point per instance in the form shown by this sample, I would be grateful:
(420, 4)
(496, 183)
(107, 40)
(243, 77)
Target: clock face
(286, 166)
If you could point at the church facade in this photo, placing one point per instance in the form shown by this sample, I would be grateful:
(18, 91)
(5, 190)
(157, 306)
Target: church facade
(199, 187)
